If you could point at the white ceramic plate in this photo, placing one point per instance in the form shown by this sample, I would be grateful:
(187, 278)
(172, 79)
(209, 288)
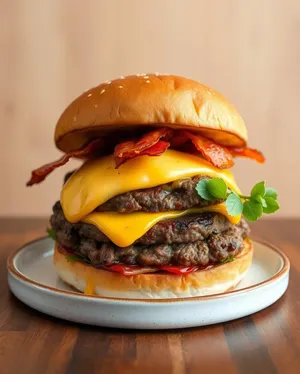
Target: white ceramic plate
(33, 280)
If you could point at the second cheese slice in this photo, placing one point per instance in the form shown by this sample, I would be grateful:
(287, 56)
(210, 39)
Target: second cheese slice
(123, 229)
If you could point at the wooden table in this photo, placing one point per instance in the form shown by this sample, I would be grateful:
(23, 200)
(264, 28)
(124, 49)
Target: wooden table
(267, 342)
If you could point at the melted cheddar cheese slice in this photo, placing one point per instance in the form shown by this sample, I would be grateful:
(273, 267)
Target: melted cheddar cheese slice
(89, 286)
(98, 180)
(123, 229)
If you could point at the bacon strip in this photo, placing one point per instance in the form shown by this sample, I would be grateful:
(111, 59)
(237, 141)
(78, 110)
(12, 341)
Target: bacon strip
(155, 150)
(154, 143)
(218, 155)
(253, 154)
(38, 175)
(144, 146)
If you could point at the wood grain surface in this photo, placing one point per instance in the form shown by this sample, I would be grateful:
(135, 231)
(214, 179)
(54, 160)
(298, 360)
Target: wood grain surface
(267, 342)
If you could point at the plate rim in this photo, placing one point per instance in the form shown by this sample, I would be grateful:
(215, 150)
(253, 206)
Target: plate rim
(14, 272)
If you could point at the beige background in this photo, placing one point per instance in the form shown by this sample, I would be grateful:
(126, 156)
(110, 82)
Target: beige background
(53, 50)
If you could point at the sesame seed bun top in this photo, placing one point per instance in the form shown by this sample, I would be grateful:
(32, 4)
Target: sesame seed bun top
(145, 101)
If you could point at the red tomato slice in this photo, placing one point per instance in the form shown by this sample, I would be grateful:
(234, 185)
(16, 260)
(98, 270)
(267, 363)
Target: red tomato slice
(183, 269)
(134, 269)
(130, 269)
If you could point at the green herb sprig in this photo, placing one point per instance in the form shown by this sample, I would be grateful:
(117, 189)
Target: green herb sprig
(51, 233)
(74, 258)
(228, 259)
(261, 200)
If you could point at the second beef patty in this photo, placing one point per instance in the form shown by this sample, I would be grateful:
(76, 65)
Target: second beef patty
(194, 240)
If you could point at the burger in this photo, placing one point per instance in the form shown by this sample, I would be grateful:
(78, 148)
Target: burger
(153, 211)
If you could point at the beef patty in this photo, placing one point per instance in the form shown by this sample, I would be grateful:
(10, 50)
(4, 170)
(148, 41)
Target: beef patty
(178, 195)
(193, 240)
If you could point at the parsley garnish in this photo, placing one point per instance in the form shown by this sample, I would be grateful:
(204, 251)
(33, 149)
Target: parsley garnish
(261, 200)
(51, 233)
(74, 258)
(228, 259)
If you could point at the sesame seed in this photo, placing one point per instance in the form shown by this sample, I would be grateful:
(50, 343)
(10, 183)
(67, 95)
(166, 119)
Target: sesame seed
(145, 76)
(102, 91)
(209, 92)
(157, 74)
(147, 81)
(138, 75)
(142, 75)
(120, 86)
(108, 82)
(122, 77)
(89, 95)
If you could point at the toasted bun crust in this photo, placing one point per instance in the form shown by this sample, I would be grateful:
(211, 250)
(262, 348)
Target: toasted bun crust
(145, 101)
(104, 283)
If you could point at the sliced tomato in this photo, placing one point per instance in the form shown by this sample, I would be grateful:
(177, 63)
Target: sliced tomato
(183, 269)
(179, 269)
(134, 269)
(130, 269)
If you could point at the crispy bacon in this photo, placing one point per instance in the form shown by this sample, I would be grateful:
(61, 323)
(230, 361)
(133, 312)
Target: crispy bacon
(154, 143)
(151, 144)
(218, 155)
(38, 175)
(253, 154)
(155, 150)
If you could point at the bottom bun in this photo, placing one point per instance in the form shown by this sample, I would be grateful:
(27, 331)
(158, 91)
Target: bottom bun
(93, 281)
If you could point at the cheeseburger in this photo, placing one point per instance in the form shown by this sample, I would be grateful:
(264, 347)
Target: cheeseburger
(153, 211)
